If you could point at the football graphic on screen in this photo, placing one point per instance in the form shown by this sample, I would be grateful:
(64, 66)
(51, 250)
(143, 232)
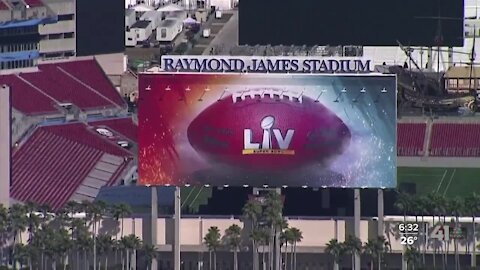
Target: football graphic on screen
(268, 129)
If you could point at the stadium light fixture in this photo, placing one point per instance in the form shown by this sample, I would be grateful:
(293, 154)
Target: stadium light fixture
(226, 186)
(224, 91)
(187, 185)
(324, 186)
(320, 95)
(344, 90)
(363, 90)
(384, 90)
(168, 88)
(245, 186)
(305, 186)
(148, 88)
(206, 185)
(284, 186)
(265, 186)
(207, 89)
(188, 89)
(167, 185)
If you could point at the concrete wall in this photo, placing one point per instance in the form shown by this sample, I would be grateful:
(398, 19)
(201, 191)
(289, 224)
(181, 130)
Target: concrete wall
(5, 146)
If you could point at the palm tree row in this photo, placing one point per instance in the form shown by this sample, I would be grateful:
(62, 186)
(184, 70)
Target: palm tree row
(68, 237)
(438, 207)
(375, 249)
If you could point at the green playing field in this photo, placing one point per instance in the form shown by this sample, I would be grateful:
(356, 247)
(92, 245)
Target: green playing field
(448, 181)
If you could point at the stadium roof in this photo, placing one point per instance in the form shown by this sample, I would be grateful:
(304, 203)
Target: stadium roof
(124, 126)
(66, 162)
(81, 83)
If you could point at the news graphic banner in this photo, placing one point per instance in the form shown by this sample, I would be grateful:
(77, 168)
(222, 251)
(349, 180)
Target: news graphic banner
(312, 130)
(254, 64)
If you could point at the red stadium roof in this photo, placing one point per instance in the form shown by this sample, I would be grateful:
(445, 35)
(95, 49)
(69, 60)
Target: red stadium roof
(34, 3)
(3, 6)
(64, 162)
(81, 83)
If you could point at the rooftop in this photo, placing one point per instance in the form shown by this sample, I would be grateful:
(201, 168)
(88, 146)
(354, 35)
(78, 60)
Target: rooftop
(82, 83)
(141, 24)
(66, 162)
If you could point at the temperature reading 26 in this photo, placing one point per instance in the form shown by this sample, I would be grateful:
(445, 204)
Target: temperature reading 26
(408, 240)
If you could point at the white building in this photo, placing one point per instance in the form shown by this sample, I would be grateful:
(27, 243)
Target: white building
(223, 4)
(152, 16)
(139, 32)
(58, 40)
(130, 18)
(5, 144)
(169, 29)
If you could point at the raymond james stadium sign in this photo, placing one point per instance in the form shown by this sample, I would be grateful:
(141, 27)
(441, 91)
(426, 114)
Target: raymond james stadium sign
(265, 64)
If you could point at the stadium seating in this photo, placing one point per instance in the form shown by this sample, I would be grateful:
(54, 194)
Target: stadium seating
(57, 161)
(411, 138)
(91, 74)
(123, 126)
(455, 140)
(3, 6)
(40, 92)
(26, 98)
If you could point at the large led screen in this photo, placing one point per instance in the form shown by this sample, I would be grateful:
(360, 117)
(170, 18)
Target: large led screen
(317, 130)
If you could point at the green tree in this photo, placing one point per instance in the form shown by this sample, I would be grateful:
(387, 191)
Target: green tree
(3, 230)
(150, 252)
(273, 216)
(296, 238)
(472, 207)
(412, 257)
(233, 240)
(16, 223)
(337, 250)
(375, 249)
(105, 244)
(212, 240)
(131, 243)
(252, 212)
(354, 247)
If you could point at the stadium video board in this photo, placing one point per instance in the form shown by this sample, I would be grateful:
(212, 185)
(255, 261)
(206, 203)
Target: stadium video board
(317, 130)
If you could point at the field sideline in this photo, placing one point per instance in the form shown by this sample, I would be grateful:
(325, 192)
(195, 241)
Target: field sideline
(450, 182)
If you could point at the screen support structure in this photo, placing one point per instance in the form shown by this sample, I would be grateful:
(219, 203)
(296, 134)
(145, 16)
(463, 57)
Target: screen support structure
(154, 223)
(176, 249)
(380, 213)
(356, 222)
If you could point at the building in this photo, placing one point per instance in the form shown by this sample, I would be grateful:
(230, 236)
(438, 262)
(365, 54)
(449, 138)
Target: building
(5, 144)
(19, 32)
(138, 33)
(462, 79)
(58, 40)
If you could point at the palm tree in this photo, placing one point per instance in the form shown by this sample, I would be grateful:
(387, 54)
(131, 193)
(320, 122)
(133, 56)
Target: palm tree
(94, 212)
(375, 248)
(455, 207)
(296, 237)
(119, 212)
(105, 244)
(285, 238)
(260, 237)
(412, 257)
(3, 230)
(274, 219)
(337, 250)
(354, 246)
(252, 211)
(212, 240)
(150, 252)
(131, 243)
(423, 205)
(472, 207)
(16, 223)
(233, 241)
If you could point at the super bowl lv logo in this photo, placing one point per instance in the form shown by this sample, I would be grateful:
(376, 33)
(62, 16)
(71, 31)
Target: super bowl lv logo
(266, 147)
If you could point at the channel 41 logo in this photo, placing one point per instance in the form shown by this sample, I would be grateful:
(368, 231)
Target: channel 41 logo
(445, 232)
